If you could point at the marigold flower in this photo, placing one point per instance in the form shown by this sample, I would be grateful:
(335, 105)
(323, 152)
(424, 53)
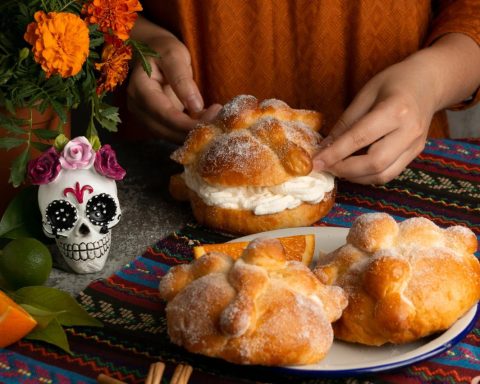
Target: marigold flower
(60, 42)
(113, 16)
(114, 65)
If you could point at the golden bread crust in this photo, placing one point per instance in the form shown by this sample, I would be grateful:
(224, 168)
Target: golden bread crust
(259, 309)
(244, 222)
(252, 143)
(404, 281)
(178, 189)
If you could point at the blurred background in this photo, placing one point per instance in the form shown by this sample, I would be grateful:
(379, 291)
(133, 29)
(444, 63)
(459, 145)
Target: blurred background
(462, 123)
(465, 123)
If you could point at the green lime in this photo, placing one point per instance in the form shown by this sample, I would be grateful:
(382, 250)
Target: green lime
(25, 262)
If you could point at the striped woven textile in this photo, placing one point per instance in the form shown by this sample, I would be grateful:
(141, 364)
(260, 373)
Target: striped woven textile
(443, 184)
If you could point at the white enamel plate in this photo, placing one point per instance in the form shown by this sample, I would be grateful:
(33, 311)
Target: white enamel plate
(346, 359)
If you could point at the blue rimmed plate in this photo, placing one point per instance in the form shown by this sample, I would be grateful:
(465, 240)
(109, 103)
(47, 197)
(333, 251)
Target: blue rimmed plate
(347, 359)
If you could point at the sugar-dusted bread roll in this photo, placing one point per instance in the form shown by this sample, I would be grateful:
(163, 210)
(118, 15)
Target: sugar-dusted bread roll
(259, 309)
(251, 169)
(404, 281)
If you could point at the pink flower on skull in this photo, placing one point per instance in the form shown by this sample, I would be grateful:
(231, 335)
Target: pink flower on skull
(106, 163)
(45, 168)
(77, 154)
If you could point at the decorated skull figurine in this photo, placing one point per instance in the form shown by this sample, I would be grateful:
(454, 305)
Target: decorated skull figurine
(78, 201)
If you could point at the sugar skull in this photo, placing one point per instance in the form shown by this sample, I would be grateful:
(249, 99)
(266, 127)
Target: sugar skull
(79, 202)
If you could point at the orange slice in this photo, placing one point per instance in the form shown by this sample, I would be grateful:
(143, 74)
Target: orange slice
(299, 248)
(15, 322)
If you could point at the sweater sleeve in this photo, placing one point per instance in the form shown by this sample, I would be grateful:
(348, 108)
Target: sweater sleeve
(457, 16)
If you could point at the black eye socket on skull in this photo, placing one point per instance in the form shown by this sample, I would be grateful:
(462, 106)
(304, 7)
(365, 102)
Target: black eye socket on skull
(101, 209)
(61, 215)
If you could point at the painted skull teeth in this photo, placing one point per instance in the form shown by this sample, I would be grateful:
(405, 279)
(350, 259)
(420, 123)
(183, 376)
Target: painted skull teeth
(85, 251)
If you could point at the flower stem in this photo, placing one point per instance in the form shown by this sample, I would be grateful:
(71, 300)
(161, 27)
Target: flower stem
(91, 130)
(67, 5)
(30, 128)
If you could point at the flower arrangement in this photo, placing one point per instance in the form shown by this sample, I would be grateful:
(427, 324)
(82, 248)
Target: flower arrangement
(77, 153)
(60, 54)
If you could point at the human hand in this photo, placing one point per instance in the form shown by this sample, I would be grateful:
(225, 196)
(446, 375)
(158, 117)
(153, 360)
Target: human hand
(161, 101)
(389, 119)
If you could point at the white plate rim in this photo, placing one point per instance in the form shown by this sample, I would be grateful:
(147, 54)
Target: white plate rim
(431, 348)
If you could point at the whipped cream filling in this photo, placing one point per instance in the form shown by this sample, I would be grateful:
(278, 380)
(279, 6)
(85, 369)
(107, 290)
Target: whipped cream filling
(263, 200)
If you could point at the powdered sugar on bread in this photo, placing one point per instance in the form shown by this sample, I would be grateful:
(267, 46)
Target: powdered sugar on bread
(259, 310)
(404, 280)
(255, 161)
(252, 143)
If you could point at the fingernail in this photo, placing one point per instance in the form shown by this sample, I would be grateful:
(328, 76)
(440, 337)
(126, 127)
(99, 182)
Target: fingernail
(318, 165)
(194, 104)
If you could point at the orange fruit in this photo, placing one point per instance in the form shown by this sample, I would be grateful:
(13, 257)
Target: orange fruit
(299, 248)
(15, 322)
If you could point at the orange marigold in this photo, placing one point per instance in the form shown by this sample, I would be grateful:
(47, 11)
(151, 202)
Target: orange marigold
(114, 65)
(60, 42)
(113, 16)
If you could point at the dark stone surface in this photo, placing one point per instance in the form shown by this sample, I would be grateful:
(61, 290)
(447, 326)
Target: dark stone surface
(148, 212)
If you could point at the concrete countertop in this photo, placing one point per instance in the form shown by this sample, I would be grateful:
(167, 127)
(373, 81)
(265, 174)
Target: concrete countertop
(148, 212)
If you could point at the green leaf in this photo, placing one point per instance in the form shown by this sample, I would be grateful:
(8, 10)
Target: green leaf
(95, 142)
(141, 52)
(11, 125)
(92, 28)
(60, 142)
(19, 168)
(88, 83)
(95, 42)
(9, 106)
(11, 142)
(59, 110)
(52, 308)
(22, 217)
(23, 8)
(108, 124)
(59, 128)
(91, 130)
(52, 334)
(57, 301)
(41, 315)
(94, 55)
(108, 117)
(46, 134)
(6, 76)
(107, 110)
(42, 147)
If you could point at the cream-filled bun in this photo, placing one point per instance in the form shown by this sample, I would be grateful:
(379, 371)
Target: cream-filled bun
(404, 280)
(251, 169)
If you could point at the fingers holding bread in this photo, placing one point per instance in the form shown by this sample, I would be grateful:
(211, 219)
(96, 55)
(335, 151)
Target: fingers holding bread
(255, 161)
(250, 170)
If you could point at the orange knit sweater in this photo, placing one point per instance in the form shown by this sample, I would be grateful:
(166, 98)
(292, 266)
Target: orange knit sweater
(310, 53)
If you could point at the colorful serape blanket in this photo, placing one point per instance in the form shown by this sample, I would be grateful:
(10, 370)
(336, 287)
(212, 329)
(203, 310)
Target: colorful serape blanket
(443, 184)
